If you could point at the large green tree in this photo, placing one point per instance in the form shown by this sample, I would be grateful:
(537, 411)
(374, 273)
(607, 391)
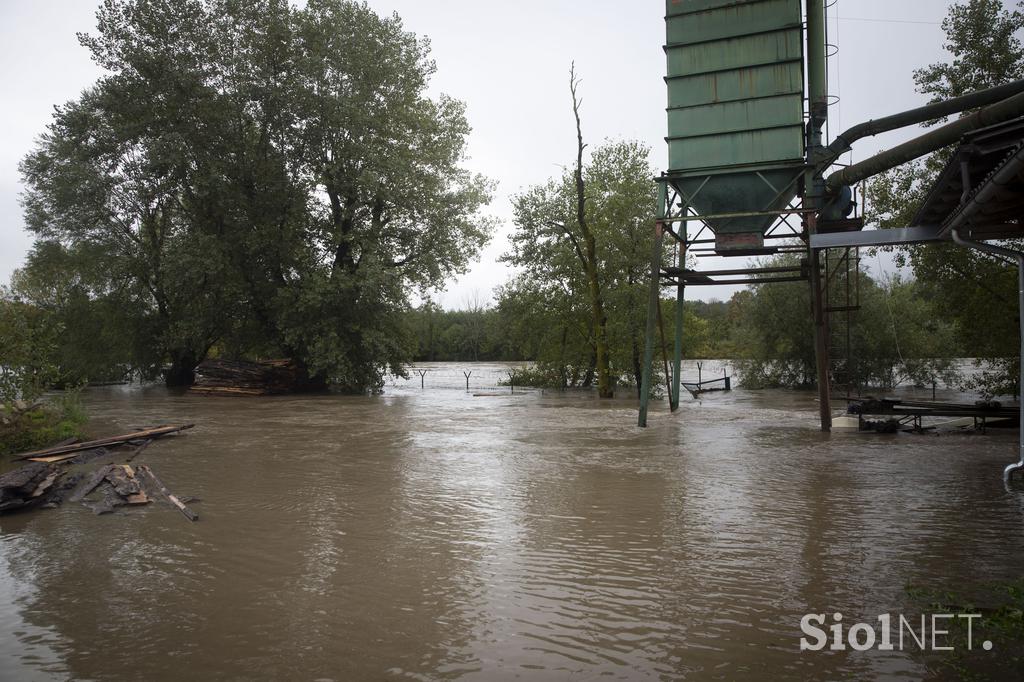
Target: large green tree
(552, 299)
(258, 179)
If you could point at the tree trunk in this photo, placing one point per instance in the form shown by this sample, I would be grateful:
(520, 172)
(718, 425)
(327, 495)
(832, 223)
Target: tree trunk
(589, 258)
(588, 378)
(637, 368)
(182, 370)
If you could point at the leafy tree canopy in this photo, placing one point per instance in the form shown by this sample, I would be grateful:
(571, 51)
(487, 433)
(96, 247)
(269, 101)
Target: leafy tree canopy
(256, 179)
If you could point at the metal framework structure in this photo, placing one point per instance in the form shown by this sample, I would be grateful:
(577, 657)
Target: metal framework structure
(741, 153)
(747, 162)
(979, 196)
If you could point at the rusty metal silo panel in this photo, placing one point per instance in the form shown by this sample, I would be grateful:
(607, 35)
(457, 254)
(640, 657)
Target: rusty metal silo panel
(735, 107)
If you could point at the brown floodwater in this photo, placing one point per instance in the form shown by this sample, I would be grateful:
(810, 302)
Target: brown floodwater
(430, 534)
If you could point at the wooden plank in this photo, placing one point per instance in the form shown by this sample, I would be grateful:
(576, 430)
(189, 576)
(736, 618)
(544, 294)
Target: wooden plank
(136, 451)
(47, 482)
(158, 484)
(98, 477)
(54, 458)
(113, 440)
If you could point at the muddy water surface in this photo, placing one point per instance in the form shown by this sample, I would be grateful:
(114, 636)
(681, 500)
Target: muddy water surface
(431, 534)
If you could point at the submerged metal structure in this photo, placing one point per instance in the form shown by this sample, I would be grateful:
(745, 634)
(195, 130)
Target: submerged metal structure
(747, 105)
(739, 140)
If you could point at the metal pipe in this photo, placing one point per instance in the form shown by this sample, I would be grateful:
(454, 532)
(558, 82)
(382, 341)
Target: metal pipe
(653, 302)
(940, 137)
(817, 73)
(1006, 174)
(844, 141)
(1019, 257)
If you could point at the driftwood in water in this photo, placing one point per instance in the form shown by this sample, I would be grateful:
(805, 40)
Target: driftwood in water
(241, 378)
(97, 477)
(117, 485)
(138, 450)
(56, 454)
(19, 488)
(44, 481)
(87, 456)
(149, 478)
(109, 499)
(56, 495)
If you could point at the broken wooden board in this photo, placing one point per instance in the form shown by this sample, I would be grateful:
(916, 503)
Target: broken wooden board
(54, 459)
(18, 488)
(147, 475)
(97, 477)
(113, 440)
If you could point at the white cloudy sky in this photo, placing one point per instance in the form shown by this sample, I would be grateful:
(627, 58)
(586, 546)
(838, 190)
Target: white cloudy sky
(509, 61)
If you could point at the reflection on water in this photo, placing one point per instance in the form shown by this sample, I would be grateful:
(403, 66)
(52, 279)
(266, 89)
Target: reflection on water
(436, 535)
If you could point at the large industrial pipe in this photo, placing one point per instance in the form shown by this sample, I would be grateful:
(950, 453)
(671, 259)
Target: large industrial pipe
(1019, 257)
(937, 139)
(817, 70)
(930, 112)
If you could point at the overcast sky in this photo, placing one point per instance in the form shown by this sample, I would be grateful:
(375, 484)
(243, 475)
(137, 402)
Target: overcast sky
(510, 63)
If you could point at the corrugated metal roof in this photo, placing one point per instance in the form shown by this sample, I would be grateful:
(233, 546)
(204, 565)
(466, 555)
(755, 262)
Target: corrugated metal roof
(972, 167)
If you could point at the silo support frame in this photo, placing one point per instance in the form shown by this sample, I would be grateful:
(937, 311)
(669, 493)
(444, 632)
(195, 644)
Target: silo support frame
(653, 301)
(821, 338)
(677, 354)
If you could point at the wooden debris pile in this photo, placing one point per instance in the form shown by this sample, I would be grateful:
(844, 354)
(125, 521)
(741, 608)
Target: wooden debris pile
(234, 377)
(49, 476)
(27, 486)
(121, 484)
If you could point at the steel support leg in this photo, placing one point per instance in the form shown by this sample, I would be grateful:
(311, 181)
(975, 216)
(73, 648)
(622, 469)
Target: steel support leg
(677, 356)
(821, 354)
(653, 302)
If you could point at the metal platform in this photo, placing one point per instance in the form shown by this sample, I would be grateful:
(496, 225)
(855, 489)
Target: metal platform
(912, 412)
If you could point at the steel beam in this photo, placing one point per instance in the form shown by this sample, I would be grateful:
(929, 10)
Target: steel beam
(653, 302)
(677, 353)
(895, 236)
(766, 280)
(814, 196)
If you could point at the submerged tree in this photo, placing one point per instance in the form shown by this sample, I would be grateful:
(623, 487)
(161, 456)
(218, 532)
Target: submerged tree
(551, 302)
(557, 244)
(256, 179)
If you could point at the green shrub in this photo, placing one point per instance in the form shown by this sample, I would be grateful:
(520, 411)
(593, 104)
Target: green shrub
(41, 425)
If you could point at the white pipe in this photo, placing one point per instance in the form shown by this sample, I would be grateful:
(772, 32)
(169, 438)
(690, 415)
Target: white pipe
(1019, 257)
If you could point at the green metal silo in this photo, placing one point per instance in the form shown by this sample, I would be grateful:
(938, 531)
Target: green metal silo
(735, 112)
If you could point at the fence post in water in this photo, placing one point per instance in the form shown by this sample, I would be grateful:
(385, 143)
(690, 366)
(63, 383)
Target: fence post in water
(700, 379)
(422, 373)
(466, 374)
(512, 380)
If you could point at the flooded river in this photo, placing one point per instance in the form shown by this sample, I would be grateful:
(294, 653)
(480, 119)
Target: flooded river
(429, 534)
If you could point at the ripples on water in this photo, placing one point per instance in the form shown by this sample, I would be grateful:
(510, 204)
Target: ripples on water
(434, 535)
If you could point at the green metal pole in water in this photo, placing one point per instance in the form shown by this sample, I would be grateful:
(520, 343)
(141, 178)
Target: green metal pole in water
(652, 303)
(677, 357)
